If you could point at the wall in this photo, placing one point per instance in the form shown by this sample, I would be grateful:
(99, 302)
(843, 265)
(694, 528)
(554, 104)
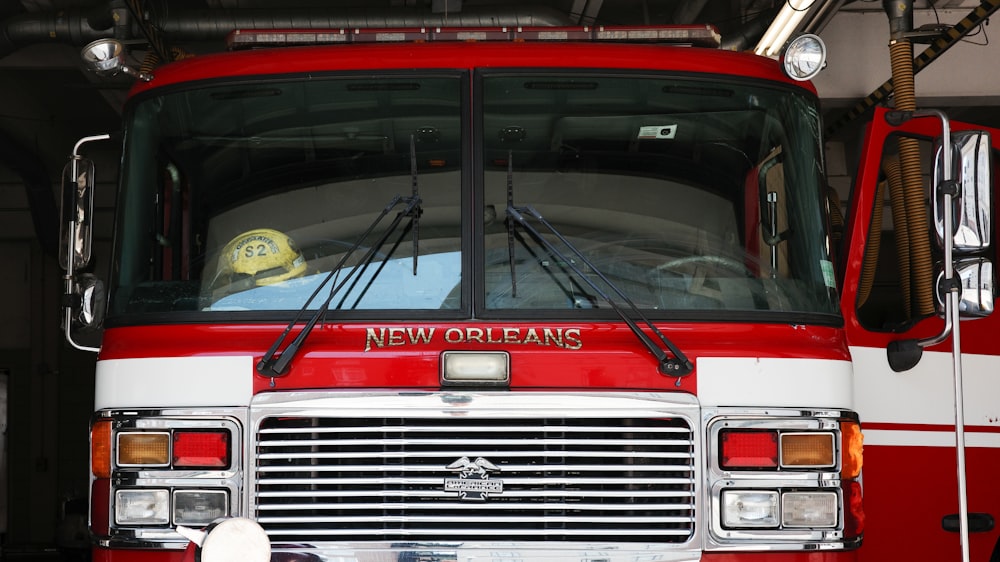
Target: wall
(50, 384)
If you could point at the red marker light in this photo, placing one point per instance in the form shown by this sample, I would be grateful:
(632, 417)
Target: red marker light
(201, 449)
(748, 449)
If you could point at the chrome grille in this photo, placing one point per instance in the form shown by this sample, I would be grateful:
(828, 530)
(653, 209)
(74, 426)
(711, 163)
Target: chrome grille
(596, 478)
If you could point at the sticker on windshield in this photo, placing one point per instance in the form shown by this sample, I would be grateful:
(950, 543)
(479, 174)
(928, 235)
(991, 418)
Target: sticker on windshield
(828, 277)
(657, 131)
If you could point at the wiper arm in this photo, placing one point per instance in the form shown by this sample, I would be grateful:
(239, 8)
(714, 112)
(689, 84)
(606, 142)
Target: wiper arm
(414, 226)
(509, 223)
(275, 365)
(678, 365)
(385, 260)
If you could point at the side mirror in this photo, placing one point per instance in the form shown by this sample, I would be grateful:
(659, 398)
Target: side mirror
(971, 188)
(83, 296)
(975, 275)
(77, 214)
(962, 205)
(90, 301)
(971, 171)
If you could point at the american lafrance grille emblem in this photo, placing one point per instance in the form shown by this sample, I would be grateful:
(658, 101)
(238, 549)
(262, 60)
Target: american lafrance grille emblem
(473, 482)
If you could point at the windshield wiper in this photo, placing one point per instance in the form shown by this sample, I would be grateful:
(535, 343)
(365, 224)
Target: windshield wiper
(509, 223)
(412, 226)
(273, 364)
(678, 365)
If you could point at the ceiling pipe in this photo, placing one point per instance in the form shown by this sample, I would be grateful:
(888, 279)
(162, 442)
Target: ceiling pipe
(745, 37)
(74, 27)
(80, 27)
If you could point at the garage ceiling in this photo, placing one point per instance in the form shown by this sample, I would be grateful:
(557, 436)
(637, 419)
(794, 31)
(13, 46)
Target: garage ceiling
(48, 101)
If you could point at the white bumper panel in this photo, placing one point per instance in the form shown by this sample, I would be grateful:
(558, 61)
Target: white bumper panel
(175, 382)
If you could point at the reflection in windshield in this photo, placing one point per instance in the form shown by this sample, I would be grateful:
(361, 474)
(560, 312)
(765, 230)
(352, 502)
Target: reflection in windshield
(690, 196)
(393, 288)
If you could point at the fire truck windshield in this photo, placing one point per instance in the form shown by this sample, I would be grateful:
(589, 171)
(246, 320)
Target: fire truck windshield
(694, 196)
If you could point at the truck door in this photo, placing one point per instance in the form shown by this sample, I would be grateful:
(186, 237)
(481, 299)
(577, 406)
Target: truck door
(911, 483)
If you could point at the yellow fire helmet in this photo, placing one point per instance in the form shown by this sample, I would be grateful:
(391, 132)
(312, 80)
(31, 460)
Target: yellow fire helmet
(264, 255)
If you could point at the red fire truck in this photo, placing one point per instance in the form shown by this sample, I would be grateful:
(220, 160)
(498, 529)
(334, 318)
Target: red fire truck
(546, 294)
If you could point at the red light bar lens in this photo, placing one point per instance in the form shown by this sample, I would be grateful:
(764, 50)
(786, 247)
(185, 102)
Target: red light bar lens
(697, 35)
(201, 449)
(748, 449)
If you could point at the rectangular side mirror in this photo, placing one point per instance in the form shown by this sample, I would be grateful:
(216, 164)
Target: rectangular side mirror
(77, 215)
(972, 170)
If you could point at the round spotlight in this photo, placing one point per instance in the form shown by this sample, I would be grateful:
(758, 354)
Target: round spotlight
(104, 56)
(803, 57)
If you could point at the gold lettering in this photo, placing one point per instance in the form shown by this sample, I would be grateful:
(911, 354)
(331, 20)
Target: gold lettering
(573, 340)
(566, 338)
(371, 337)
(474, 334)
(396, 336)
(554, 337)
(532, 337)
(489, 336)
(512, 335)
(453, 335)
(420, 335)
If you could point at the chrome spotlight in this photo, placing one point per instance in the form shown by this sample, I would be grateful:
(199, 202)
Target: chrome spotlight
(106, 57)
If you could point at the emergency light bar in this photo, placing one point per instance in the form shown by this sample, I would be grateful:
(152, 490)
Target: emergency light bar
(686, 35)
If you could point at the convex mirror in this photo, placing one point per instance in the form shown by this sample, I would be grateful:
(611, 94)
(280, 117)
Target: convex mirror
(972, 170)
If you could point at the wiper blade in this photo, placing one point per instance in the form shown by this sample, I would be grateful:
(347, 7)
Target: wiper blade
(385, 260)
(509, 223)
(274, 364)
(412, 226)
(677, 365)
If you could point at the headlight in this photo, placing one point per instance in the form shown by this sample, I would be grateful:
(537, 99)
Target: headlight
(809, 509)
(744, 508)
(198, 508)
(142, 507)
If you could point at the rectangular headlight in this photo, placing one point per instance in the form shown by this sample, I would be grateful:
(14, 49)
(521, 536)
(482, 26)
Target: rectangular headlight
(749, 509)
(142, 507)
(809, 509)
(198, 508)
